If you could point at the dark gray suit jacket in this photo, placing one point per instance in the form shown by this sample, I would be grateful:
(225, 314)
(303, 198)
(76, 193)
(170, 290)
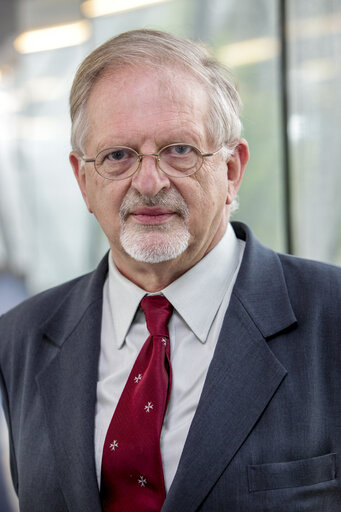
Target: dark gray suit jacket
(267, 432)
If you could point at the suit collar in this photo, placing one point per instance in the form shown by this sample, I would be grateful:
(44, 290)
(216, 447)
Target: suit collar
(242, 379)
(261, 286)
(68, 313)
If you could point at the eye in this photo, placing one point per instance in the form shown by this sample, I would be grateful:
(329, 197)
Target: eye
(180, 149)
(119, 154)
(115, 155)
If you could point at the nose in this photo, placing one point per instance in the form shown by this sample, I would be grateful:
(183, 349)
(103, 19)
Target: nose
(149, 179)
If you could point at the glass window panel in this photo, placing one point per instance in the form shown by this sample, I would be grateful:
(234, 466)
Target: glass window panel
(314, 127)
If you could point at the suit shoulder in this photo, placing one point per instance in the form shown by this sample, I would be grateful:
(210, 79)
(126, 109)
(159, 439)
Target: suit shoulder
(311, 272)
(313, 284)
(36, 309)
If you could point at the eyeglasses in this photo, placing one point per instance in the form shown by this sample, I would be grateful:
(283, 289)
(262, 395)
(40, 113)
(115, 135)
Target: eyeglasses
(175, 160)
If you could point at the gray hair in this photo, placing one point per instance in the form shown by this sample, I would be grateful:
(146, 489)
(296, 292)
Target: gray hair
(160, 49)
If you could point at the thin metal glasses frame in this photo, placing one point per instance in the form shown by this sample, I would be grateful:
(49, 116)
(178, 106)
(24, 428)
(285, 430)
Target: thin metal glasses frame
(139, 157)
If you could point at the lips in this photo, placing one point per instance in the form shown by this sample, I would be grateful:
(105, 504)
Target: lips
(154, 215)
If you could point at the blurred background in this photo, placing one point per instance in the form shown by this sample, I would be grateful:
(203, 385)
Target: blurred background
(286, 56)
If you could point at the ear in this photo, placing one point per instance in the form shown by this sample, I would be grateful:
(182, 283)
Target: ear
(80, 174)
(235, 168)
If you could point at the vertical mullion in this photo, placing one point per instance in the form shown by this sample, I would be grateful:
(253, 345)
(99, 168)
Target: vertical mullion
(284, 86)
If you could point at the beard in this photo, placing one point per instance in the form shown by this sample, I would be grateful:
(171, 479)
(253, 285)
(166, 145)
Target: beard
(154, 243)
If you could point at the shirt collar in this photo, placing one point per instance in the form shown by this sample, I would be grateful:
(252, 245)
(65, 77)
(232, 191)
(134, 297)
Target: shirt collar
(196, 295)
(124, 298)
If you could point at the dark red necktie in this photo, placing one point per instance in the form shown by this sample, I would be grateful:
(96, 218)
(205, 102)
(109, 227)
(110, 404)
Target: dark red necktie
(132, 476)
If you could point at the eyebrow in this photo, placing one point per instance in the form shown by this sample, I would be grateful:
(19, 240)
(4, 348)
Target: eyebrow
(161, 143)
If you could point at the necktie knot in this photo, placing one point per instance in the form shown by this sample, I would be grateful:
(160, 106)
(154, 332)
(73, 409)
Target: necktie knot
(157, 310)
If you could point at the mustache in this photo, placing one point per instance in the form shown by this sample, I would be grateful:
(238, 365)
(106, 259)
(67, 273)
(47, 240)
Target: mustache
(171, 199)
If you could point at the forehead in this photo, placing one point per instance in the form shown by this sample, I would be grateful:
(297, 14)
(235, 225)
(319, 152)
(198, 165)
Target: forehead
(146, 99)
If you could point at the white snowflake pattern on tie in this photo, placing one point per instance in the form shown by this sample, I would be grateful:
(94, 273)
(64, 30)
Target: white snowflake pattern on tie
(164, 341)
(114, 445)
(142, 481)
(148, 407)
(137, 378)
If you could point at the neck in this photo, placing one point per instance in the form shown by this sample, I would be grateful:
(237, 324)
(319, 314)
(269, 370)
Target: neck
(153, 277)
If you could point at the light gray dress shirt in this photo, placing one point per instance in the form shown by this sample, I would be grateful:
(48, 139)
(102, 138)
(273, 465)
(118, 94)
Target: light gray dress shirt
(200, 298)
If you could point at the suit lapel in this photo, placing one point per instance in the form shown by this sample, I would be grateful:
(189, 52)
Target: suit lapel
(67, 385)
(243, 377)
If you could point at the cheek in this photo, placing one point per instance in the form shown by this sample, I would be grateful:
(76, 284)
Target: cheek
(105, 198)
(206, 204)
(211, 192)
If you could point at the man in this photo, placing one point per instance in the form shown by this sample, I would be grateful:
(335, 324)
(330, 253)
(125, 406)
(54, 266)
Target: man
(241, 364)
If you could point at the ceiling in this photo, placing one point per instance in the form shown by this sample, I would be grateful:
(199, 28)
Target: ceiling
(19, 15)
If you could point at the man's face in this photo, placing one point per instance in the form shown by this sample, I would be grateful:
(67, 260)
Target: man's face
(150, 217)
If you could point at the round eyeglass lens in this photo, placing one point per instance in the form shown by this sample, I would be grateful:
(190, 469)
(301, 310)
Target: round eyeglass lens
(180, 159)
(116, 162)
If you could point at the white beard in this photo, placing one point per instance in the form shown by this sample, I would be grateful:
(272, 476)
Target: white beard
(154, 243)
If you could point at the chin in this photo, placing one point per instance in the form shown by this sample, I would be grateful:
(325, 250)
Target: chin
(152, 247)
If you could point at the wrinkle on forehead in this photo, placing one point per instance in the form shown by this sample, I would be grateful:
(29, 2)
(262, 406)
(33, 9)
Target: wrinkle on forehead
(169, 82)
(169, 98)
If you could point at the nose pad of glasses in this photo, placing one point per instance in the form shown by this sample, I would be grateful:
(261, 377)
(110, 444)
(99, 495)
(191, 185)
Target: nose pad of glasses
(152, 179)
(155, 156)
